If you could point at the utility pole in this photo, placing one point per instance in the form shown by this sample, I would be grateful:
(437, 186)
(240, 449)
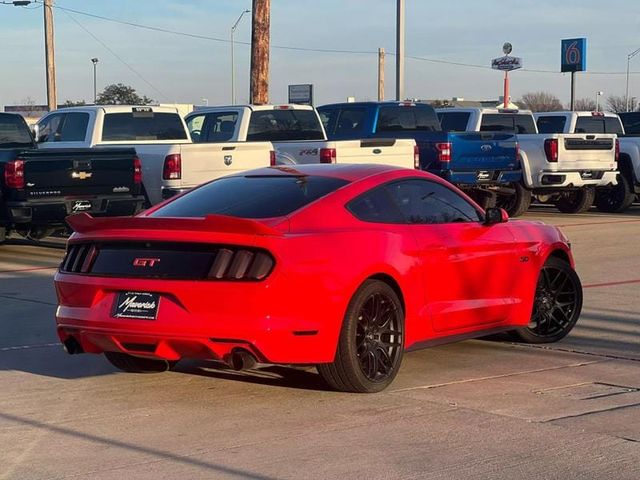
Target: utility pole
(260, 25)
(52, 94)
(95, 78)
(400, 51)
(380, 74)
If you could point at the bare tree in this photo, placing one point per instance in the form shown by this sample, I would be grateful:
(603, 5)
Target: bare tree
(540, 102)
(585, 105)
(618, 104)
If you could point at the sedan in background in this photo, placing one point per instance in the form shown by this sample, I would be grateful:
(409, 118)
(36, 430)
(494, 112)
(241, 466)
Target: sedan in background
(344, 267)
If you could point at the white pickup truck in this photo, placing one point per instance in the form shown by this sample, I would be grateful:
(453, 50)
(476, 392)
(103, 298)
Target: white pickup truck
(621, 196)
(559, 168)
(171, 162)
(297, 135)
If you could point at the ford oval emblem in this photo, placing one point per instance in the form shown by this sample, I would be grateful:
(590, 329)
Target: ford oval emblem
(486, 148)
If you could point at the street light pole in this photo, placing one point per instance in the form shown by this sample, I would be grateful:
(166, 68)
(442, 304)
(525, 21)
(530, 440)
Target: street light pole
(95, 88)
(400, 50)
(626, 96)
(598, 94)
(233, 66)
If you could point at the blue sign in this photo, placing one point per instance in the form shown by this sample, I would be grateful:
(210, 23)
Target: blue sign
(574, 55)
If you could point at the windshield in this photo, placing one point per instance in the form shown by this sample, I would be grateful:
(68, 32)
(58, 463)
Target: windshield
(251, 196)
(142, 125)
(283, 125)
(14, 132)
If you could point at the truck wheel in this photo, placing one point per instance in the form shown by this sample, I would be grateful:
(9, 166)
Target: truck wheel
(617, 198)
(517, 202)
(576, 201)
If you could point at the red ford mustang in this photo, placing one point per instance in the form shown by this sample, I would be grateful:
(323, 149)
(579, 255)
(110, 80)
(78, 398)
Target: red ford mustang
(341, 266)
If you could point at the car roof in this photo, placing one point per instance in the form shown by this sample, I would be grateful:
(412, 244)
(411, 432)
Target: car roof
(116, 108)
(349, 172)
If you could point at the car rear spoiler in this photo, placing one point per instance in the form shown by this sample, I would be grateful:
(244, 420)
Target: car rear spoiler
(85, 223)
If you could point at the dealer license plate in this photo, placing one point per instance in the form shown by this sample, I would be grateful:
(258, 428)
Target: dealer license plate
(140, 305)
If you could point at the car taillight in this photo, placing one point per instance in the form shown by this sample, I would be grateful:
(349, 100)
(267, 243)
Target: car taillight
(327, 155)
(231, 264)
(137, 171)
(272, 158)
(444, 151)
(172, 167)
(617, 150)
(14, 174)
(551, 149)
(416, 156)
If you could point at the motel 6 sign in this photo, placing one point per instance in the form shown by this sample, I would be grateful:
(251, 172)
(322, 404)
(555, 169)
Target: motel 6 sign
(574, 55)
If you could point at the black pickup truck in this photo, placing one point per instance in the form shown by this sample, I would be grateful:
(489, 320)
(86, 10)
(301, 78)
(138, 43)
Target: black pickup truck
(39, 188)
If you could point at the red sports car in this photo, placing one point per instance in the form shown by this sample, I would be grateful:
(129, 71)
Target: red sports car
(341, 266)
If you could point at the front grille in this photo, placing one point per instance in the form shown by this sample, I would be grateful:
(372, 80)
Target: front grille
(175, 261)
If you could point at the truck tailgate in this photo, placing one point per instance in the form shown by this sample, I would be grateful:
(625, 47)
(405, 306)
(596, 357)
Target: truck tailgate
(79, 172)
(483, 150)
(397, 152)
(586, 151)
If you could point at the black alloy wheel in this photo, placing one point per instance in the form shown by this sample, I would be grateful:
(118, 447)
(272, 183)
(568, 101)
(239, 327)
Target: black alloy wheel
(576, 201)
(516, 199)
(616, 199)
(371, 342)
(557, 304)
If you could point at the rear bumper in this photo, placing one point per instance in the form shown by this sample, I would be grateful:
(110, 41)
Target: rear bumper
(53, 211)
(481, 177)
(198, 319)
(576, 178)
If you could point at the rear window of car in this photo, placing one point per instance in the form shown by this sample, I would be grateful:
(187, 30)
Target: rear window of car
(454, 121)
(507, 122)
(631, 122)
(14, 131)
(343, 121)
(283, 125)
(251, 196)
(551, 124)
(141, 126)
(407, 119)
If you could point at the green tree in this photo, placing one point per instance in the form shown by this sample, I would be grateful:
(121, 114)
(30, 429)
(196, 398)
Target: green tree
(74, 103)
(120, 94)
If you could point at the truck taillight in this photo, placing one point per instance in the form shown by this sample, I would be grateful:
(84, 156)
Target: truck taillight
(416, 156)
(172, 167)
(327, 155)
(137, 171)
(551, 149)
(444, 151)
(272, 158)
(617, 150)
(14, 174)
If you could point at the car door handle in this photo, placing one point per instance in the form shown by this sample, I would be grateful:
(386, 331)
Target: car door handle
(377, 151)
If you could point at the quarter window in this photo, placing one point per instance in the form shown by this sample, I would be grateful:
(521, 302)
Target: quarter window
(427, 202)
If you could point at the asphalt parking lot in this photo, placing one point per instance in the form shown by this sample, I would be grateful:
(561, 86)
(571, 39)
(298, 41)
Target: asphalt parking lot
(476, 409)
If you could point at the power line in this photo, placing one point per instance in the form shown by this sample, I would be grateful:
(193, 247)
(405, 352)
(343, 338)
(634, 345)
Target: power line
(116, 55)
(307, 49)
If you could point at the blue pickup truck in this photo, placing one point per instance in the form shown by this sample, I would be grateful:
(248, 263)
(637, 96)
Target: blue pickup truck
(484, 164)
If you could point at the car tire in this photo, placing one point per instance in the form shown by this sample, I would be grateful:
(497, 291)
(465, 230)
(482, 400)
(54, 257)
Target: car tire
(371, 342)
(517, 203)
(131, 364)
(577, 201)
(617, 198)
(557, 304)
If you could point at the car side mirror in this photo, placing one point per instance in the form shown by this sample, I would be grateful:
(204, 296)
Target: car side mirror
(495, 215)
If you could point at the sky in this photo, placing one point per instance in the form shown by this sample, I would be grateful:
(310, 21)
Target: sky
(176, 68)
